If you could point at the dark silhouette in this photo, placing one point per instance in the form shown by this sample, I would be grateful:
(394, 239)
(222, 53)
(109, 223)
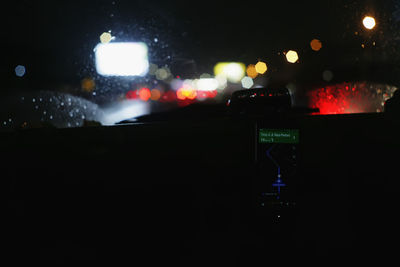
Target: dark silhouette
(392, 105)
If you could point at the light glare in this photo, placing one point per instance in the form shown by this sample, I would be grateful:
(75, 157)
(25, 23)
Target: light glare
(261, 67)
(207, 84)
(247, 82)
(369, 22)
(20, 71)
(292, 56)
(122, 59)
(234, 72)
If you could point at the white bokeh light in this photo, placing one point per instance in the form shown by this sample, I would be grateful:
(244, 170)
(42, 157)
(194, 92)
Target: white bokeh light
(247, 82)
(369, 22)
(122, 59)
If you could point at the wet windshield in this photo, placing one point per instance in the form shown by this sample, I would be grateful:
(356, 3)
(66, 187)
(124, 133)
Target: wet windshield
(77, 63)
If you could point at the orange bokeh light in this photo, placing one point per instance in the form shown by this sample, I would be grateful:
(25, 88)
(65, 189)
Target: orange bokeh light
(316, 45)
(145, 94)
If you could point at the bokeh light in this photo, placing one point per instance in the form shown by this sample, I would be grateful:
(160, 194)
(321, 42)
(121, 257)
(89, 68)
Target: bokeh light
(316, 45)
(261, 67)
(327, 75)
(369, 22)
(163, 74)
(20, 70)
(145, 94)
(359, 97)
(155, 95)
(247, 82)
(233, 71)
(251, 71)
(292, 56)
(88, 85)
(105, 38)
(186, 93)
(132, 94)
(207, 84)
(122, 59)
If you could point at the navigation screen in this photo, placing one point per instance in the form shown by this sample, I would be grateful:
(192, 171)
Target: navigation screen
(278, 136)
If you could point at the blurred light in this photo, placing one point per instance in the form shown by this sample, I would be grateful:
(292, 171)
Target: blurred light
(251, 71)
(261, 67)
(132, 94)
(222, 82)
(292, 56)
(20, 70)
(316, 45)
(145, 94)
(369, 22)
(163, 74)
(202, 95)
(207, 84)
(247, 82)
(327, 75)
(88, 85)
(205, 76)
(186, 92)
(155, 94)
(168, 96)
(153, 69)
(123, 111)
(234, 72)
(122, 59)
(360, 97)
(106, 37)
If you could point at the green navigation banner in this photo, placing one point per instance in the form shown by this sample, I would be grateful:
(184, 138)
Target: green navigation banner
(278, 136)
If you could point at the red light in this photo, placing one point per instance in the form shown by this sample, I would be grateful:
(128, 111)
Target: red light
(168, 96)
(331, 100)
(344, 98)
(145, 94)
(132, 94)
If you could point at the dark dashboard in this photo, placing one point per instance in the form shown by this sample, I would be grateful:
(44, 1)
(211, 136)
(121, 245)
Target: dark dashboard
(202, 189)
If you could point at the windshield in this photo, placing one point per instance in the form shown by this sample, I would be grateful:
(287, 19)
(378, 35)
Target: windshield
(77, 63)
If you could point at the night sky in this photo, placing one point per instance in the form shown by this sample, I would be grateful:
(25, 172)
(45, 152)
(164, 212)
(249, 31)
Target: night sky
(55, 39)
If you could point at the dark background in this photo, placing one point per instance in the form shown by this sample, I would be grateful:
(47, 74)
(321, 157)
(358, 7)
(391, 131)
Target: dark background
(186, 191)
(55, 40)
